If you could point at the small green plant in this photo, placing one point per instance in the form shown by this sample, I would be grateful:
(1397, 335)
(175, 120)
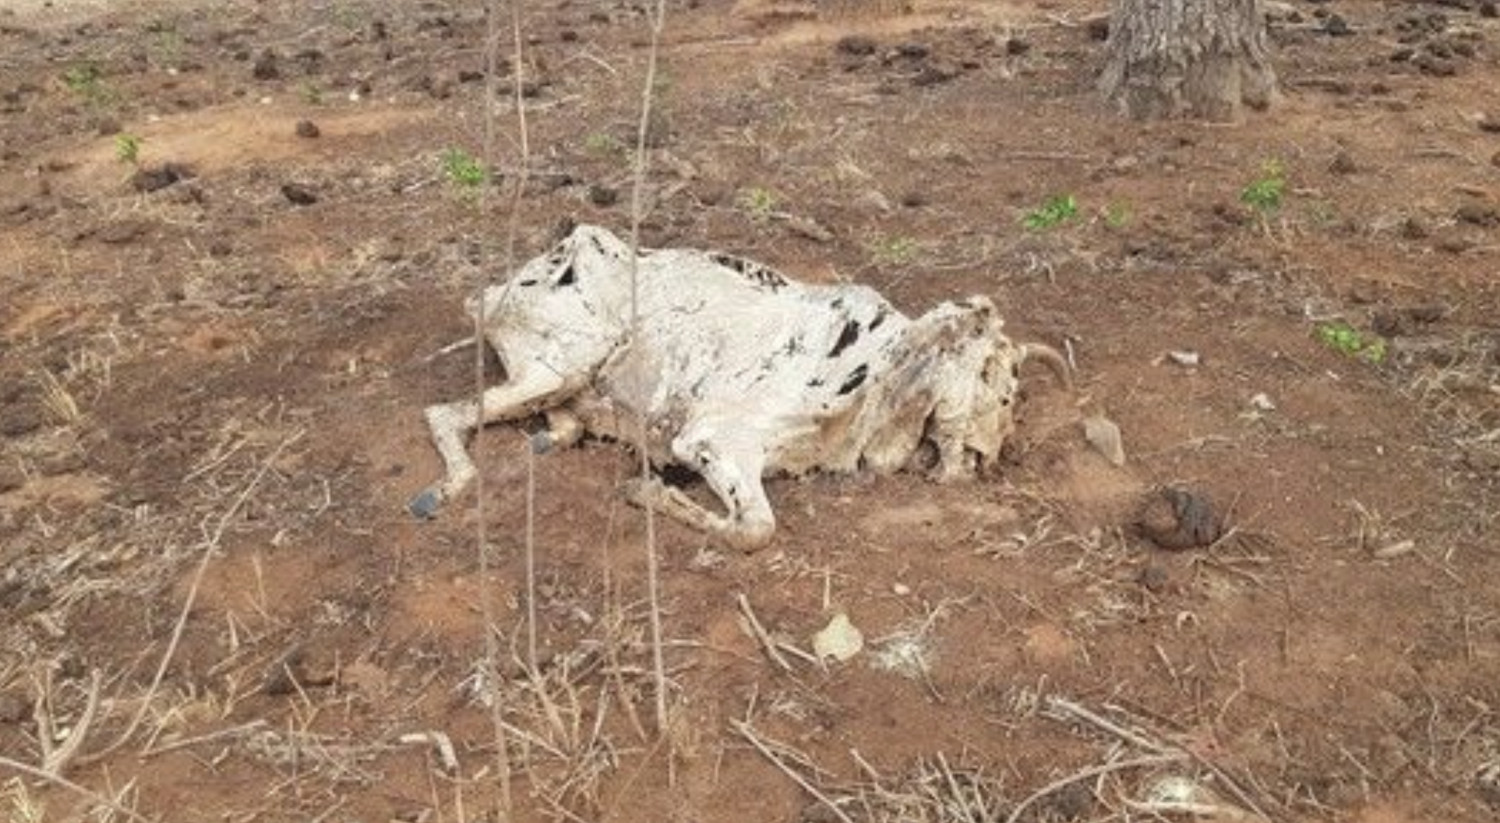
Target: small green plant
(463, 171)
(894, 251)
(759, 203)
(600, 143)
(1265, 193)
(1351, 341)
(87, 81)
(167, 45)
(1057, 210)
(128, 148)
(311, 93)
(1117, 215)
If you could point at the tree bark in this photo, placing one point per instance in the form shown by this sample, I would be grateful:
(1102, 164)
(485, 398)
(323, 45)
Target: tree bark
(1188, 58)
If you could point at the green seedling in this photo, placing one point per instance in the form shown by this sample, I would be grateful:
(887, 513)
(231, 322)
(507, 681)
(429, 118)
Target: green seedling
(600, 143)
(463, 171)
(1343, 337)
(87, 81)
(1265, 193)
(128, 148)
(759, 203)
(1057, 210)
(894, 251)
(1117, 215)
(310, 93)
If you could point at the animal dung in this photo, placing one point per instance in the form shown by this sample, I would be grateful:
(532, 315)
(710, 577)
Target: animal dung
(1176, 519)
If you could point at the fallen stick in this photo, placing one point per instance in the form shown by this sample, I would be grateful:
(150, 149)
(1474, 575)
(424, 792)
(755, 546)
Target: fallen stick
(746, 731)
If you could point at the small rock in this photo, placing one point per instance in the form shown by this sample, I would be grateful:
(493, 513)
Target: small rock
(914, 200)
(900, 589)
(1490, 9)
(13, 709)
(913, 51)
(155, 178)
(839, 640)
(298, 195)
(809, 228)
(603, 196)
(308, 129)
(1414, 228)
(1097, 27)
(1017, 46)
(1262, 402)
(1184, 358)
(11, 478)
(265, 67)
(19, 420)
(1104, 435)
(855, 44)
(1342, 163)
(1336, 26)
(1387, 323)
(1478, 214)
(1153, 578)
(933, 73)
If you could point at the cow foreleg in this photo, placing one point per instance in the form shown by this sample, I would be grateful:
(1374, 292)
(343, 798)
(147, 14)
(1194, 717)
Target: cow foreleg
(733, 472)
(452, 423)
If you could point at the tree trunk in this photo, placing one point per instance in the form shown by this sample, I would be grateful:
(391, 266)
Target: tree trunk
(1193, 58)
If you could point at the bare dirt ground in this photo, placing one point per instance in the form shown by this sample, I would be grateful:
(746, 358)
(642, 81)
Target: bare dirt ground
(197, 373)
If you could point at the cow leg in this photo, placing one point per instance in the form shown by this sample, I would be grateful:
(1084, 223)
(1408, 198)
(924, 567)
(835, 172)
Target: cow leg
(451, 424)
(733, 471)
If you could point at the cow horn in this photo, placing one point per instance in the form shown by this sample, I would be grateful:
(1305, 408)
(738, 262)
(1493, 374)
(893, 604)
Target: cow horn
(1053, 358)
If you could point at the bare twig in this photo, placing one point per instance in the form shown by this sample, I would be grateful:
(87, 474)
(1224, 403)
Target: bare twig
(761, 635)
(747, 731)
(656, 18)
(58, 780)
(207, 548)
(1094, 771)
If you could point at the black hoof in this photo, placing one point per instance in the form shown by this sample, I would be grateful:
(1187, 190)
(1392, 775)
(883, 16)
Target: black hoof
(425, 505)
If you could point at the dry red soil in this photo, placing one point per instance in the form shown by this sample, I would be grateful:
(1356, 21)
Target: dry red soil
(200, 375)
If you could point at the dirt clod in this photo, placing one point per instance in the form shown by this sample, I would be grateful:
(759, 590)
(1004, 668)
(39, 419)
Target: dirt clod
(11, 477)
(308, 129)
(266, 66)
(857, 45)
(155, 178)
(1153, 578)
(13, 709)
(1478, 214)
(1176, 519)
(298, 194)
(603, 196)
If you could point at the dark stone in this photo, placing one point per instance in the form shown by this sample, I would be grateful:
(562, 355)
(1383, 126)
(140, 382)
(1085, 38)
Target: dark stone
(298, 195)
(1478, 214)
(159, 177)
(602, 195)
(265, 67)
(855, 44)
(1342, 163)
(1336, 26)
(308, 129)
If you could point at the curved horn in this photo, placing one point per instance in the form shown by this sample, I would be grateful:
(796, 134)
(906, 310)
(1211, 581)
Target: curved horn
(1054, 360)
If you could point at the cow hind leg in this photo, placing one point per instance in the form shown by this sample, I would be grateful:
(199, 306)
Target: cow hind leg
(452, 423)
(734, 474)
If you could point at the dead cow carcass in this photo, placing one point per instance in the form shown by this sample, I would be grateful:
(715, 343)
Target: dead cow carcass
(738, 372)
